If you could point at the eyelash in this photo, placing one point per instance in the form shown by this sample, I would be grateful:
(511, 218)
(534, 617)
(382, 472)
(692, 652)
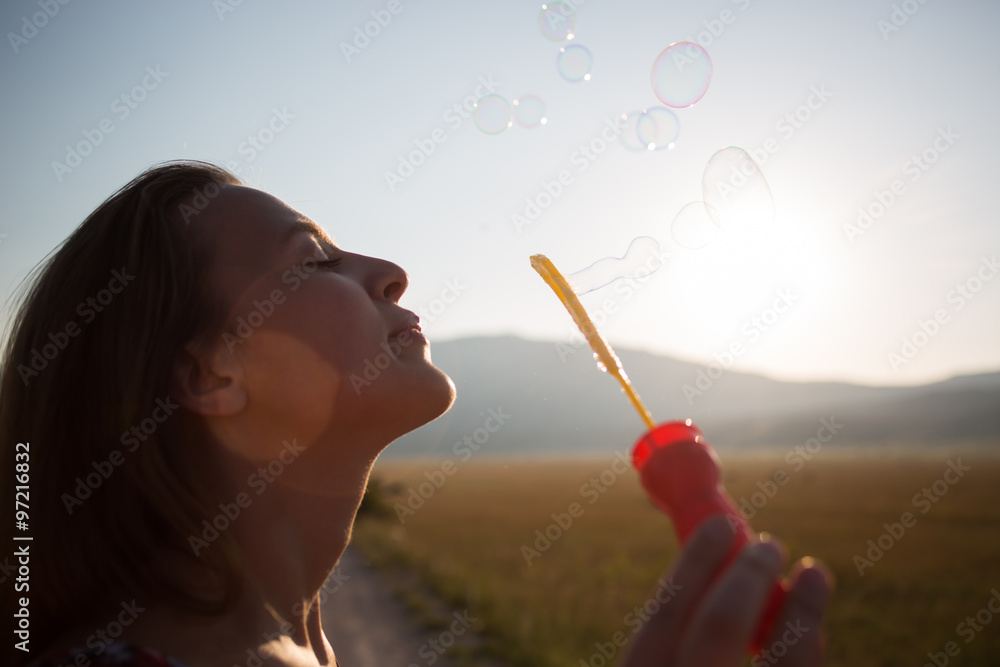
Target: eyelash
(329, 263)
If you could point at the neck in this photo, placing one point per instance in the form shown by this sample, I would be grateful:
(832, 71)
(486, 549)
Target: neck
(294, 523)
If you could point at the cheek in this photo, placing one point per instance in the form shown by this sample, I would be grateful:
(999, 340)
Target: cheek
(290, 381)
(320, 326)
(299, 362)
(340, 321)
(336, 318)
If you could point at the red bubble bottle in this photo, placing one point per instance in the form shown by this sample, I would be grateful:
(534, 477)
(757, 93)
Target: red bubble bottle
(676, 465)
(680, 472)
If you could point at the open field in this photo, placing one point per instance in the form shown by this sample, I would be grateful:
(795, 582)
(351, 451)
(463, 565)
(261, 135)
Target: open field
(466, 542)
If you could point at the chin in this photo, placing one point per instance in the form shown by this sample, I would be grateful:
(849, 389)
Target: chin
(437, 396)
(421, 398)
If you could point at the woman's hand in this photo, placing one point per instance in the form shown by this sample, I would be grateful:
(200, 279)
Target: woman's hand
(709, 620)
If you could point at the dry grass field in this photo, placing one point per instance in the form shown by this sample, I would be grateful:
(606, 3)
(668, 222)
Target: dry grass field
(466, 542)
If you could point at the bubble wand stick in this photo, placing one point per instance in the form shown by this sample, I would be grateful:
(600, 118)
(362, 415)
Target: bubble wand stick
(676, 465)
(607, 360)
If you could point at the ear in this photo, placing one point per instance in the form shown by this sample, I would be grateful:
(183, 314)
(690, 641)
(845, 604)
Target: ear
(208, 381)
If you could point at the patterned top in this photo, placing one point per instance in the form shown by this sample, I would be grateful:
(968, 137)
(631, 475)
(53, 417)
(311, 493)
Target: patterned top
(117, 654)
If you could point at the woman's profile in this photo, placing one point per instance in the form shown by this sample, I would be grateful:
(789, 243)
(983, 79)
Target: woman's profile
(179, 377)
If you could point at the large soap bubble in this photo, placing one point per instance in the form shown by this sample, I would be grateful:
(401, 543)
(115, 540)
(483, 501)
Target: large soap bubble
(681, 74)
(737, 192)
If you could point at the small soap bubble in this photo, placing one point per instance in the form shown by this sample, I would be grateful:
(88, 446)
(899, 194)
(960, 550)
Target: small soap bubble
(681, 74)
(492, 114)
(557, 21)
(657, 128)
(574, 62)
(642, 258)
(630, 131)
(529, 111)
(737, 192)
(693, 226)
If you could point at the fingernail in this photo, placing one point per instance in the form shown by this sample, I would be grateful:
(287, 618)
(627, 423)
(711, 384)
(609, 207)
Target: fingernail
(769, 553)
(816, 580)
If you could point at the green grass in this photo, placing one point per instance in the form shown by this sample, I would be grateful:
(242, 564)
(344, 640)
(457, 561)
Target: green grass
(465, 543)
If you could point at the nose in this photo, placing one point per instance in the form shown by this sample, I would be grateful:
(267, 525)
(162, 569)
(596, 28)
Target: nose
(387, 280)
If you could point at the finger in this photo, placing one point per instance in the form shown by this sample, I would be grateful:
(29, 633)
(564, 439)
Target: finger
(797, 639)
(667, 610)
(727, 617)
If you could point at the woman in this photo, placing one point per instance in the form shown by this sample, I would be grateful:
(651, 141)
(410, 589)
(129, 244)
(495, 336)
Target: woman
(179, 376)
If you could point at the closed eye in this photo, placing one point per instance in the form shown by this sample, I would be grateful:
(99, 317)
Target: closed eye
(329, 263)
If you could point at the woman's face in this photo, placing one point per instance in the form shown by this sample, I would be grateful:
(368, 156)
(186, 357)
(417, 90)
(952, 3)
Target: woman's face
(314, 335)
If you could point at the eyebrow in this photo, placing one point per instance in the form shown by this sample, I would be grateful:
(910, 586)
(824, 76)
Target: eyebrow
(309, 227)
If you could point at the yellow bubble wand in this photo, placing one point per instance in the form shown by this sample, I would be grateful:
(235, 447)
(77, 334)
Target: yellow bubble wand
(606, 357)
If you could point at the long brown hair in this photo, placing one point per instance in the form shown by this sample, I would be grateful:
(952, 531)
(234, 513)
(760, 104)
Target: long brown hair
(85, 378)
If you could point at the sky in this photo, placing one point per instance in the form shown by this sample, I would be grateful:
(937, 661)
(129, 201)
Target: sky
(352, 113)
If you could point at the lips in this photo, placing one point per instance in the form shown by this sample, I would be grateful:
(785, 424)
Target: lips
(411, 323)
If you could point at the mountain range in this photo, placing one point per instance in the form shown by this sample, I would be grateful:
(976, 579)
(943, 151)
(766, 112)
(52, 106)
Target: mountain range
(558, 403)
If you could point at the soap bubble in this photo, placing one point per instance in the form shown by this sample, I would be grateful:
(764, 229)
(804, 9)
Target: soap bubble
(557, 21)
(681, 74)
(529, 111)
(657, 128)
(630, 131)
(739, 196)
(574, 63)
(492, 114)
(694, 226)
(642, 258)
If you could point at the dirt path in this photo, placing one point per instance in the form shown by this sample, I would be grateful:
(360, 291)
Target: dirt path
(368, 626)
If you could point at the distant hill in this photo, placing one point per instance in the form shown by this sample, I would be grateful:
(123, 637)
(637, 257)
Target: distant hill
(565, 408)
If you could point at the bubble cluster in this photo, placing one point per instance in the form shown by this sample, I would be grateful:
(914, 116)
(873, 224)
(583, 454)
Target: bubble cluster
(492, 114)
(557, 21)
(657, 128)
(693, 226)
(529, 111)
(681, 74)
(574, 63)
(650, 129)
(643, 257)
(739, 198)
